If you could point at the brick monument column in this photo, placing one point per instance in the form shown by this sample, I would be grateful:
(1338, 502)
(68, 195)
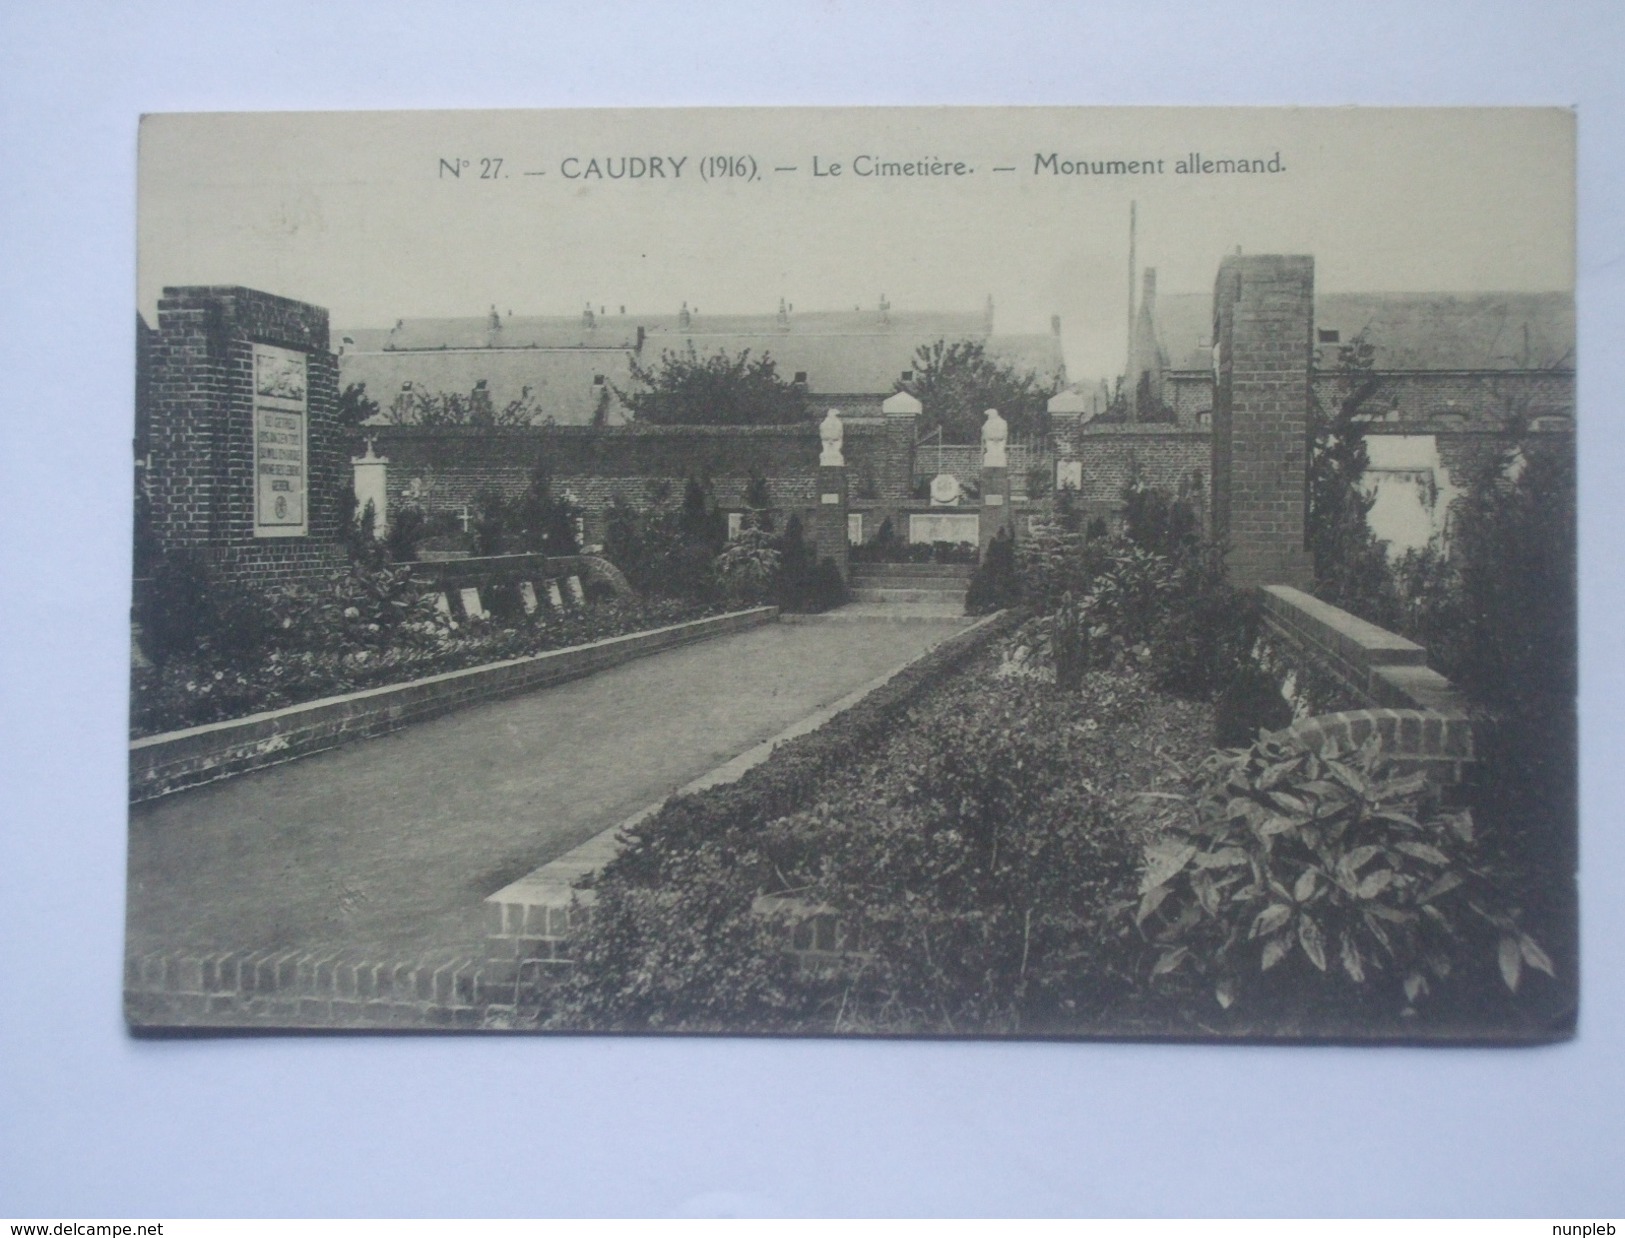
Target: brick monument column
(1263, 321)
(246, 459)
(829, 529)
(996, 511)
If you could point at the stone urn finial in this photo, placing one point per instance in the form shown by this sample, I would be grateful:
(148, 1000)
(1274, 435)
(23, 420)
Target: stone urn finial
(831, 432)
(995, 435)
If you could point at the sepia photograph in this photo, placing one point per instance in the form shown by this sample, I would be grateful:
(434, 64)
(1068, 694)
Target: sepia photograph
(883, 572)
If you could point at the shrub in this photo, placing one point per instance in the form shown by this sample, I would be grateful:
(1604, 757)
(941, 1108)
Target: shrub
(993, 583)
(1283, 866)
(187, 611)
(407, 528)
(748, 568)
(665, 550)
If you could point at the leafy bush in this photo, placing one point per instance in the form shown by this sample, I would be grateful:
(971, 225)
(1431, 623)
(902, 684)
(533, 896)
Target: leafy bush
(1282, 866)
(667, 550)
(748, 567)
(535, 522)
(1155, 593)
(185, 611)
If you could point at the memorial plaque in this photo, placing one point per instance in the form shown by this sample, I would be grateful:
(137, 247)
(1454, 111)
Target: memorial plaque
(281, 485)
(943, 527)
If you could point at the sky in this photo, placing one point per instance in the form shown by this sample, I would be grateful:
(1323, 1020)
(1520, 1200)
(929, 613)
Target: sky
(362, 212)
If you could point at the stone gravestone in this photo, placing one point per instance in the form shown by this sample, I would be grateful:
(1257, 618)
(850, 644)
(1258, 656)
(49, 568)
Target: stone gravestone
(471, 604)
(527, 597)
(554, 597)
(577, 594)
(442, 603)
(238, 410)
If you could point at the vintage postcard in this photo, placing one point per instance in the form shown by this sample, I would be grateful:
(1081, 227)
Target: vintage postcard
(889, 572)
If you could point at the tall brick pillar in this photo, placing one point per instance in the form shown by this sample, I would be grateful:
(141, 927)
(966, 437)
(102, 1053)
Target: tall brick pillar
(247, 461)
(829, 529)
(1263, 321)
(996, 511)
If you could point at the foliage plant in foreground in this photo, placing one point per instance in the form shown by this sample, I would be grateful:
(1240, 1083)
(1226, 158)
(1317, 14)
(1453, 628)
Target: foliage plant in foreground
(1285, 866)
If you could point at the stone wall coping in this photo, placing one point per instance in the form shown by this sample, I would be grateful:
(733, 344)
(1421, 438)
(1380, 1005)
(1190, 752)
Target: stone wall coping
(1376, 645)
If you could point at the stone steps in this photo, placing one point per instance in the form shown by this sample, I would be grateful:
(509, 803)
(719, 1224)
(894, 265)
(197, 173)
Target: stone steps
(868, 593)
(923, 590)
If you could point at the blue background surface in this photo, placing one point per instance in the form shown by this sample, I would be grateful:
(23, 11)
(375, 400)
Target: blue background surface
(94, 1123)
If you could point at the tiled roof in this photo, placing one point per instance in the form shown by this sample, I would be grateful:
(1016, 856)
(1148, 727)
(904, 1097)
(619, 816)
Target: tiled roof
(1410, 330)
(561, 381)
(854, 353)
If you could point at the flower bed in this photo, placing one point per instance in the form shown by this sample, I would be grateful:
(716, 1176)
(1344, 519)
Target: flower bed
(213, 686)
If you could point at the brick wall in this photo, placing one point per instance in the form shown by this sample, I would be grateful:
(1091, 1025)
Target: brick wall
(1421, 718)
(444, 468)
(1171, 459)
(1441, 398)
(1263, 307)
(199, 431)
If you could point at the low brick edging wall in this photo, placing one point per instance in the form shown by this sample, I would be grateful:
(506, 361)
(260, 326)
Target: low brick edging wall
(1422, 720)
(1441, 746)
(324, 989)
(176, 760)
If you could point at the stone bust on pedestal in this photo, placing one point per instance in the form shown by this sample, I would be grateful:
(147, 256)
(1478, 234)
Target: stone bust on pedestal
(831, 433)
(995, 434)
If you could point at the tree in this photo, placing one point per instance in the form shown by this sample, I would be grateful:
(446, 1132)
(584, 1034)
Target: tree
(957, 382)
(1351, 565)
(683, 389)
(355, 409)
(421, 408)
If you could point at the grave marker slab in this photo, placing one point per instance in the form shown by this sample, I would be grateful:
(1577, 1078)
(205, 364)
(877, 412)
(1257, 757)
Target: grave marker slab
(471, 604)
(554, 596)
(578, 595)
(527, 597)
